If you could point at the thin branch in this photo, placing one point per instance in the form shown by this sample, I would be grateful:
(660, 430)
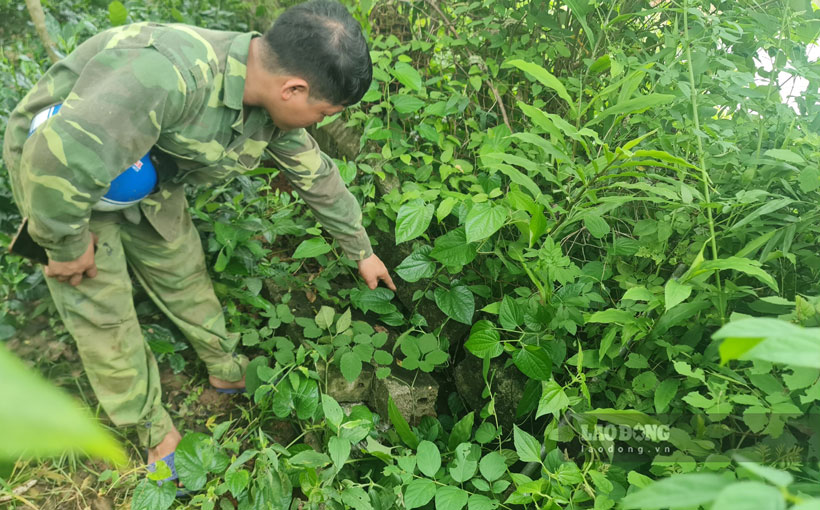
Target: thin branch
(35, 10)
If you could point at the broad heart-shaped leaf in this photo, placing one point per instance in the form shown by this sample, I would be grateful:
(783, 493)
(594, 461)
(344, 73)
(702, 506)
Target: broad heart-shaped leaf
(418, 493)
(428, 458)
(666, 391)
(675, 293)
(492, 466)
(237, 480)
(377, 300)
(37, 419)
(339, 450)
(150, 496)
(553, 399)
(527, 447)
(413, 219)
(679, 491)
(458, 303)
(407, 76)
(450, 498)
(306, 398)
(452, 249)
(351, 366)
(484, 220)
(770, 340)
(511, 313)
(534, 362)
(312, 247)
(401, 425)
(195, 457)
(545, 77)
(417, 265)
(485, 340)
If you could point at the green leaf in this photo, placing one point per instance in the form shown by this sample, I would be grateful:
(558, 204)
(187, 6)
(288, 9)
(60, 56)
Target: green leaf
(351, 366)
(450, 498)
(312, 247)
(678, 491)
(767, 208)
(309, 459)
(355, 497)
(634, 105)
(485, 340)
(533, 361)
(675, 293)
(418, 493)
(527, 447)
(412, 220)
(484, 220)
(462, 431)
(597, 226)
(545, 77)
(775, 476)
(749, 495)
(407, 76)
(117, 13)
(665, 393)
(306, 398)
(28, 407)
(611, 315)
(333, 411)
(785, 155)
(627, 417)
(324, 319)
(770, 340)
(750, 267)
(809, 180)
(511, 314)
(339, 450)
(428, 458)
(150, 496)
(466, 462)
(452, 248)
(237, 481)
(401, 425)
(553, 399)
(458, 303)
(479, 502)
(492, 466)
(406, 104)
(417, 265)
(195, 458)
(377, 300)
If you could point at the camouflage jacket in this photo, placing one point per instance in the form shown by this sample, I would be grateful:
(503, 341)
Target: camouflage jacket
(175, 88)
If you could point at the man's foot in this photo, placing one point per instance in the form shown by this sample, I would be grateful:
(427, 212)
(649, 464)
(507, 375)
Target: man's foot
(221, 384)
(165, 447)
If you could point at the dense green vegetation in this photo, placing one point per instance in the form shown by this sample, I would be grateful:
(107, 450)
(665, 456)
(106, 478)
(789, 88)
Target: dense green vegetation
(607, 203)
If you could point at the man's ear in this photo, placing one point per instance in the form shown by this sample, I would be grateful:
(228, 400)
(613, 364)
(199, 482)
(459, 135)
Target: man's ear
(294, 87)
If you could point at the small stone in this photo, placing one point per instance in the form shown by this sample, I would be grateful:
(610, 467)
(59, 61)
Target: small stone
(414, 394)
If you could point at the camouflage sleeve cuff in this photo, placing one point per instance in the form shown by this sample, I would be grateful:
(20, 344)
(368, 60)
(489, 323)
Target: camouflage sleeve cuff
(356, 246)
(69, 249)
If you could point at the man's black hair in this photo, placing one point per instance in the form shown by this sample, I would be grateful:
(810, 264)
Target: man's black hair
(320, 42)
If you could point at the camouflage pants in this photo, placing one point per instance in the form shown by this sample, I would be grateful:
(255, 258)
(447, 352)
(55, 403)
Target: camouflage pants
(99, 313)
